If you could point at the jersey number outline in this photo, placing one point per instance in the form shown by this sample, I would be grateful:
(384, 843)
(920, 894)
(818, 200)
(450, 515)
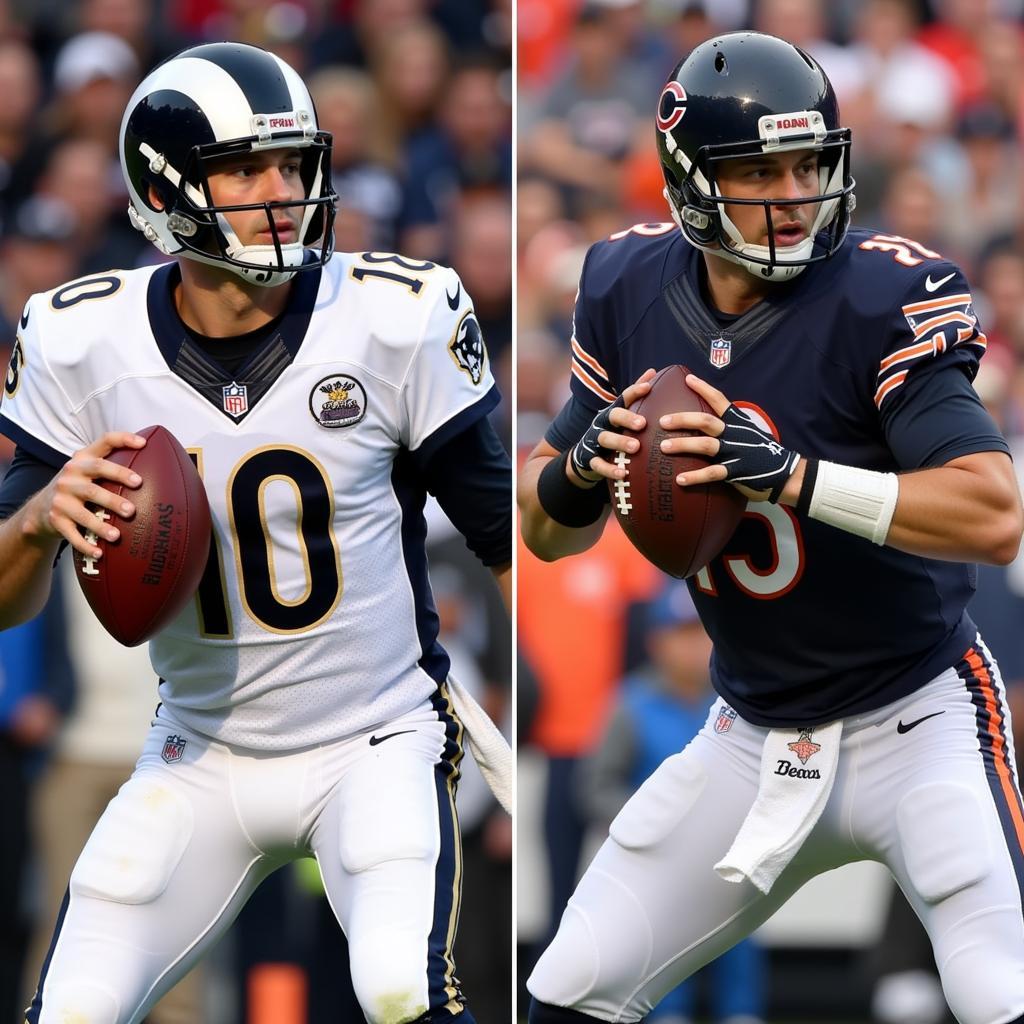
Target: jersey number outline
(787, 565)
(649, 230)
(254, 546)
(901, 249)
(784, 538)
(414, 284)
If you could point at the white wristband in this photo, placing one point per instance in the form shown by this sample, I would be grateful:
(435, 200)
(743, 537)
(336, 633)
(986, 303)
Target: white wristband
(860, 501)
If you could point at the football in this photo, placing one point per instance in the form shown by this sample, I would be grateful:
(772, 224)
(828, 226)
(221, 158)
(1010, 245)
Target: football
(148, 575)
(679, 529)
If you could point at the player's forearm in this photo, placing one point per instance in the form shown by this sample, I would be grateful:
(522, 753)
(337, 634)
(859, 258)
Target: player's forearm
(957, 513)
(26, 566)
(967, 511)
(547, 539)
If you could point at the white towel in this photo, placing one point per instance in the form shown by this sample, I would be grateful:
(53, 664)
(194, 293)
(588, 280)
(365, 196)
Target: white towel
(798, 768)
(490, 749)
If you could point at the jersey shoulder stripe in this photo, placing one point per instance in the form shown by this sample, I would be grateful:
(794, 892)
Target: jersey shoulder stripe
(936, 326)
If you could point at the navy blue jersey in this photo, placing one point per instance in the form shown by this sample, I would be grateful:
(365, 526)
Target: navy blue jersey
(865, 360)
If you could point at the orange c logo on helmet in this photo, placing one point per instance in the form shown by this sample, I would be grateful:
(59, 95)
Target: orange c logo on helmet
(671, 106)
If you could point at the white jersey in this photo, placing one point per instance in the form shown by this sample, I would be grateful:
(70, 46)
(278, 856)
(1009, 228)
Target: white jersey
(314, 620)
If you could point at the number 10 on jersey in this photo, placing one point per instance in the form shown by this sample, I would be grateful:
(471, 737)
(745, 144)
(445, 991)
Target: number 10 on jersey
(253, 545)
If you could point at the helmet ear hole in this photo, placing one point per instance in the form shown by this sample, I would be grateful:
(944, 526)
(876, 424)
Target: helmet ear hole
(155, 198)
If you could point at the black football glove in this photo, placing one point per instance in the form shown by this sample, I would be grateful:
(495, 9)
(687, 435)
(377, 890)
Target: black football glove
(587, 449)
(753, 457)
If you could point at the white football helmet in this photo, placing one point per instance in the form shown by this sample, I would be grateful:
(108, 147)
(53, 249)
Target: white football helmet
(216, 100)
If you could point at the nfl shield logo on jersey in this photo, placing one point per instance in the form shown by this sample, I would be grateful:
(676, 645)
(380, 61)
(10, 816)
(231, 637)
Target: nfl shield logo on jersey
(723, 723)
(721, 352)
(236, 399)
(174, 747)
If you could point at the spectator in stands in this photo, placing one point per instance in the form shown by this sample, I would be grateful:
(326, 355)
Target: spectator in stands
(36, 254)
(36, 691)
(134, 22)
(363, 163)
(21, 87)
(805, 23)
(410, 67)
(588, 123)
(77, 174)
(978, 180)
(955, 35)
(469, 152)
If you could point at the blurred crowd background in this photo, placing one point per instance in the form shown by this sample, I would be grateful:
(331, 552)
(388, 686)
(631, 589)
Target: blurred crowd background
(418, 95)
(934, 93)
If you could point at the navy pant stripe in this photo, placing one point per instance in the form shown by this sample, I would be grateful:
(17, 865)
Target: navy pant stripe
(445, 991)
(36, 1006)
(979, 676)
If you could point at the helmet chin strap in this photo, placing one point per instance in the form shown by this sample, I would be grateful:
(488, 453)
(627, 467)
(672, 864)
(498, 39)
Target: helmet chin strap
(759, 270)
(292, 255)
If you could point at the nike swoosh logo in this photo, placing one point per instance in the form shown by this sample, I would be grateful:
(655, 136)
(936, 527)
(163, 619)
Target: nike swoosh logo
(453, 303)
(374, 740)
(24, 318)
(901, 728)
(932, 286)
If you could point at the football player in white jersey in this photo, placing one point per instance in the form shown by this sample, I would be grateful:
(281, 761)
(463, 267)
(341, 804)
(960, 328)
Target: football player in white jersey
(306, 708)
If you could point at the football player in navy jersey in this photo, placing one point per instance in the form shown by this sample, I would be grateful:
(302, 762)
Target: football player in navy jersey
(306, 706)
(860, 714)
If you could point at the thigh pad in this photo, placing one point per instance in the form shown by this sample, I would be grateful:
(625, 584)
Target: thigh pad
(388, 811)
(661, 803)
(945, 839)
(137, 843)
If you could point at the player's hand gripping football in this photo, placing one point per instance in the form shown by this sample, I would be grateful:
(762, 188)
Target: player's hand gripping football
(592, 456)
(61, 507)
(745, 455)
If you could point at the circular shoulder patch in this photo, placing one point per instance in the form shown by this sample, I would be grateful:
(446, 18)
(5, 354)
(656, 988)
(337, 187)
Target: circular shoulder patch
(338, 401)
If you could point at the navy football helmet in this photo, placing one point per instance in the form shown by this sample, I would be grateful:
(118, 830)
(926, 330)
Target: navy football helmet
(216, 100)
(747, 93)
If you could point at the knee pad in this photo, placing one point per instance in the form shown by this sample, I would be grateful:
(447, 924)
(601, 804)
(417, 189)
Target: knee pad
(389, 975)
(599, 980)
(77, 999)
(389, 812)
(983, 985)
(945, 839)
(136, 845)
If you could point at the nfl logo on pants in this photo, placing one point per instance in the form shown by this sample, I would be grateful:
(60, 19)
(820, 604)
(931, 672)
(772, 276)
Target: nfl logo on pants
(174, 747)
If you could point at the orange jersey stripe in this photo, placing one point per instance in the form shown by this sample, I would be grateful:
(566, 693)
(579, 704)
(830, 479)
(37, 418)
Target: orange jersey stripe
(591, 384)
(922, 348)
(947, 300)
(939, 321)
(1001, 754)
(586, 357)
(890, 385)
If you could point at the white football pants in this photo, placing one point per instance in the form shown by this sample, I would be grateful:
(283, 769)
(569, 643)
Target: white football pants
(937, 803)
(197, 827)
